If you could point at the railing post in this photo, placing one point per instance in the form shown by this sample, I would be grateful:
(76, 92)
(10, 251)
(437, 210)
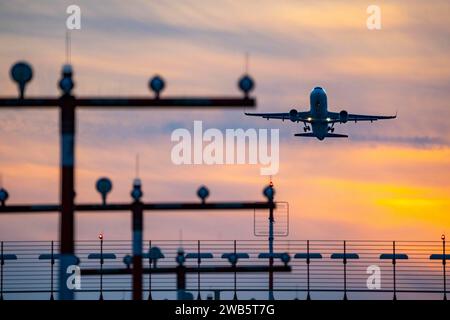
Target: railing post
(345, 270)
(199, 297)
(308, 261)
(235, 274)
(150, 273)
(101, 266)
(52, 262)
(270, 197)
(443, 266)
(394, 271)
(1, 272)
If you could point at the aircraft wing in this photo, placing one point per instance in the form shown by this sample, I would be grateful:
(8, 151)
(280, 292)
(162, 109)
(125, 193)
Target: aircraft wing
(301, 116)
(358, 117)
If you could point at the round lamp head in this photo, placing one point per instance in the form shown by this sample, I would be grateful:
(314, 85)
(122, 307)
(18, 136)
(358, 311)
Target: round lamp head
(155, 253)
(104, 186)
(21, 73)
(285, 258)
(137, 193)
(127, 260)
(3, 196)
(180, 259)
(157, 85)
(269, 192)
(246, 84)
(203, 193)
(66, 83)
(233, 258)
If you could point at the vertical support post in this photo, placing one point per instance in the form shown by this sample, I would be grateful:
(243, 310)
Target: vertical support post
(2, 262)
(199, 297)
(235, 273)
(137, 249)
(308, 261)
(67, 133)
(271, 238)
(150, 273)
(181, 282)
(345, 270)
(52, 263)
(181, 276)
(443, 266)
(101, 267)
(394, 271)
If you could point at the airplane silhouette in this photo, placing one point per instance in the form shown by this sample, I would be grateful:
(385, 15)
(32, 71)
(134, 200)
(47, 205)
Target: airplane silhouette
(321, 120)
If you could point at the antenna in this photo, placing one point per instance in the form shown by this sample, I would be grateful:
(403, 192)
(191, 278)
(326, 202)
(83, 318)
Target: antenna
(68, 47)
(246, 62)
(180, 236)
(246, 83)
(137, 165)
(247, 56)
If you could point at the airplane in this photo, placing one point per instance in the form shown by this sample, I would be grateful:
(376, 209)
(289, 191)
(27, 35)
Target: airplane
(321, 120)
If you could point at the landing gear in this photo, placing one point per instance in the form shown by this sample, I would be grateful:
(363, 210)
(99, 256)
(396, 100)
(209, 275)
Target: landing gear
(306, 128)
(331, 129)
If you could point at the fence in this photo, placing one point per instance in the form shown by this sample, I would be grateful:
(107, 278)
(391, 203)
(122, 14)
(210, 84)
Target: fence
(320, 269)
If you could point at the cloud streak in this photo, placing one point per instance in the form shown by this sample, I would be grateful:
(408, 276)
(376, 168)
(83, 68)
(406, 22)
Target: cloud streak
(356, 187)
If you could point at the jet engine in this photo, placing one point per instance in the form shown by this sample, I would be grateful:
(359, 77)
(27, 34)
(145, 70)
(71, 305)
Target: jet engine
(343, 116)
(293, 115)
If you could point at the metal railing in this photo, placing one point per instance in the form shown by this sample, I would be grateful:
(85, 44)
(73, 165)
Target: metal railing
(320, 269)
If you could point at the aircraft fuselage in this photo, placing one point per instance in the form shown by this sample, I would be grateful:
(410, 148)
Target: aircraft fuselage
(319, 112)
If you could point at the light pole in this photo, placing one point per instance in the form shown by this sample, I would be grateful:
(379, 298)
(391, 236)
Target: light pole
(269, 192)
(22, 73)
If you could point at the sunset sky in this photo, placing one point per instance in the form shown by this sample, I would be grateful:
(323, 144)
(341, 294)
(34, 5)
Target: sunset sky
(389, 180)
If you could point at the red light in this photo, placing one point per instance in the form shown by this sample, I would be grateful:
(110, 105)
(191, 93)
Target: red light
(100, 236)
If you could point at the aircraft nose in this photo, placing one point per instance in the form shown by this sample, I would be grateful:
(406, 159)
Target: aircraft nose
(319, 90)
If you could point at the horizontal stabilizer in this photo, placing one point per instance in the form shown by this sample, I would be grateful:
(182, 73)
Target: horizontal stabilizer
(329, 135)
(309, 134)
